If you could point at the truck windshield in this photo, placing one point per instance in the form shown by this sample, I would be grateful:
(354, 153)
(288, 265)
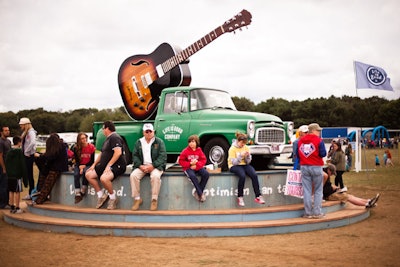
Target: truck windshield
(207, 98)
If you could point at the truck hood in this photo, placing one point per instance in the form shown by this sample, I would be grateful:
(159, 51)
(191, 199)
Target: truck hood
(227, 114)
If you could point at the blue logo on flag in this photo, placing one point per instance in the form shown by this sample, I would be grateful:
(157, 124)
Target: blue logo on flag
(375, 76)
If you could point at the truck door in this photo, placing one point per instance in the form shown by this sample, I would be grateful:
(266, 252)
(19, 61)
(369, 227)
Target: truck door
(173, 124)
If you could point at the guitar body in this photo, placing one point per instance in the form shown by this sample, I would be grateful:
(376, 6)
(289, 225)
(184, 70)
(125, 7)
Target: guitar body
(140, 86)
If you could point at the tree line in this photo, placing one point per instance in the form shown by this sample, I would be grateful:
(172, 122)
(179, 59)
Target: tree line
(345, 111)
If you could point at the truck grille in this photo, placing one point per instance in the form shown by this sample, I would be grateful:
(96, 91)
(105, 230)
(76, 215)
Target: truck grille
(269, 135)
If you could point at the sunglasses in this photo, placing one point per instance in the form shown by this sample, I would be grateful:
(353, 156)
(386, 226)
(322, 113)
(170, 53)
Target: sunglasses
(148, 131)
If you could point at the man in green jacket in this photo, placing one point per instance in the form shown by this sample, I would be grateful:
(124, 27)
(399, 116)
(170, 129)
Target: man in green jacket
(149, 157)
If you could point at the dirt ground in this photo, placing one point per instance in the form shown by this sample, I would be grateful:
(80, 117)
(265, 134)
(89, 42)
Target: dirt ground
(372, 242)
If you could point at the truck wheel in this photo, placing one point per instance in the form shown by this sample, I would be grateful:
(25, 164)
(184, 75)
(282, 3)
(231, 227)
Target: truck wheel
(216, 151)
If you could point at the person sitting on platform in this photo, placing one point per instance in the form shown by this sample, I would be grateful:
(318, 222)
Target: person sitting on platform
(239, 159)
(149, 157)
(333, 193)
(84, 153)
(51, 163)
(193, 160)
(108, 165)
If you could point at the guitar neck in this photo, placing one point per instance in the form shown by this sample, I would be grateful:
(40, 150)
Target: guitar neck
(190, 50)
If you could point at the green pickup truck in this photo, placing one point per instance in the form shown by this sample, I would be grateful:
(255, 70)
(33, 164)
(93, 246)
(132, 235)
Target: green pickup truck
(212, 115)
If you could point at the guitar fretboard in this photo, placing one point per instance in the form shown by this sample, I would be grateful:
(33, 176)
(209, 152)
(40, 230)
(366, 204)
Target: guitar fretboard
(191, 49)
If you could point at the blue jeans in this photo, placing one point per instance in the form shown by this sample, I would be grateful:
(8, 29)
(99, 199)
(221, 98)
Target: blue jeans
(3, 189)
(192, 175)
(241, 171)
(312, 176)
(77, 177)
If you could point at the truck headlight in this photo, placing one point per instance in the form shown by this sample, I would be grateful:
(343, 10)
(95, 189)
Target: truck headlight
(251, 129)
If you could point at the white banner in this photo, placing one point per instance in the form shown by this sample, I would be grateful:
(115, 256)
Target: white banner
(294, 186)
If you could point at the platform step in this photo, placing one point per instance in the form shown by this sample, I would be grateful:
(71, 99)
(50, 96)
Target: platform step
(172, 216)
(345, 216)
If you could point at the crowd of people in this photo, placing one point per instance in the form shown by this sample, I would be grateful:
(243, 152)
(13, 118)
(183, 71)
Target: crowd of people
(149, 158)
(309, 151)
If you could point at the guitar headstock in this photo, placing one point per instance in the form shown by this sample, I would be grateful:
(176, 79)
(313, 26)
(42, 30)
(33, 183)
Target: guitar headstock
(242, 19)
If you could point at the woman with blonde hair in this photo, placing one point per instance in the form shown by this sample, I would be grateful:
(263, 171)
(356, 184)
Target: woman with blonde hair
(239, 159)
(28, 138)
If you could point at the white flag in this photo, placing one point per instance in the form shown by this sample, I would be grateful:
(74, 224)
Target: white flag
(368, 76)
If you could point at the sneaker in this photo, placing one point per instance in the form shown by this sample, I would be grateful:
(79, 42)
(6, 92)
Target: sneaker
(27, 197)
(78, 198)
(240, 201)
(18, 211)
(101, 201)
(137, 203)
(259, 200)
(319, 216)
(344, 189)
(153, 204)
(35, 194)
(112, 204)
(307, 216)
(372, 202)
(203, 198)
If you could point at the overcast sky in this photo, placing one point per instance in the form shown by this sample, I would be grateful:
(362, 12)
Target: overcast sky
(65, 54)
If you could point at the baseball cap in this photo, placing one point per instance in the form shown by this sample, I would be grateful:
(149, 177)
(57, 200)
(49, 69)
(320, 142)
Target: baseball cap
(24, 121)
(148, 126)
(303, 128)
(314, 127)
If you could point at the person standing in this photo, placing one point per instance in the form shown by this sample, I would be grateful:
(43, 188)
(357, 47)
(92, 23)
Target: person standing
(149, 157)
(193, 160)
(377, 161)
(54, 161)
(28, 137)
(303, 130)
(84, 158)
(389, 160)
(349, 154)
(109, 164)
(239, 159)
(311, 150)
(16, 172)
(5, 146)
(338, 158)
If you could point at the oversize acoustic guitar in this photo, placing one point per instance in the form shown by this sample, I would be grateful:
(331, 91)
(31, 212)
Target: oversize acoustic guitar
(141, 78)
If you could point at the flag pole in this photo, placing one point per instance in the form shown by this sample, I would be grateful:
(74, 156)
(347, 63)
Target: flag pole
(355, 76)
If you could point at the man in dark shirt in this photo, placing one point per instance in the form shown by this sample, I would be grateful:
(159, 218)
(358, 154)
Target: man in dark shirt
(109, 164)
(5, 146)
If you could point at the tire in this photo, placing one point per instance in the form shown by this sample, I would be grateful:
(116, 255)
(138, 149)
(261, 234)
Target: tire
(216, 151)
